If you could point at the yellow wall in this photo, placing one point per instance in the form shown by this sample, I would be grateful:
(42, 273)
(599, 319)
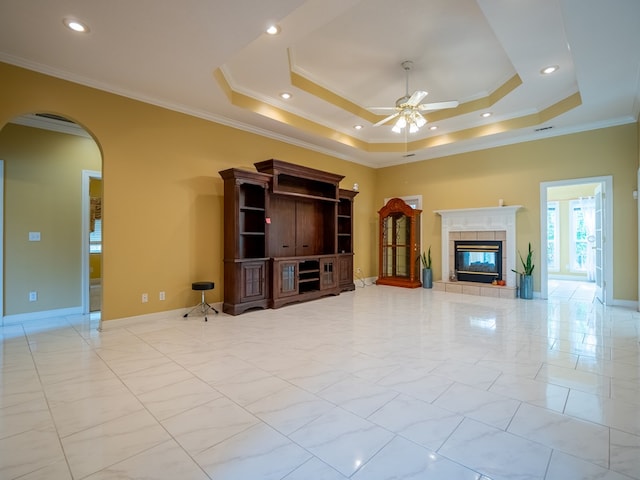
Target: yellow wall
(43, 183)
(514, 173)
(162, 204)
(162, 210)
(95, 259)
(95, 266)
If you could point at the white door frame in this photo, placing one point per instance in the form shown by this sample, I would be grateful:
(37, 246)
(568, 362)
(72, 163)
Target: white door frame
(607, 189)
(86, 205)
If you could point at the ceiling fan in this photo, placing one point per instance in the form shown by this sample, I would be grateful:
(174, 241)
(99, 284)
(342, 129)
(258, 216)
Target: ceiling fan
(408, 109)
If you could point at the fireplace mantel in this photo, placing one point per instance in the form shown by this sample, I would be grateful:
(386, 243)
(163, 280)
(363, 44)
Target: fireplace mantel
(506, 211)
(482, 219)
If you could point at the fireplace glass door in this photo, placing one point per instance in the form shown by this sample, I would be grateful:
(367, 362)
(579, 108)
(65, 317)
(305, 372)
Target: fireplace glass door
(478, 260)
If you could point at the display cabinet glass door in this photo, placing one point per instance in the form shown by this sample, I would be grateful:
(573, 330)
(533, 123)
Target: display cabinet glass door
(288, 278)
(328, 273)
(396, 253)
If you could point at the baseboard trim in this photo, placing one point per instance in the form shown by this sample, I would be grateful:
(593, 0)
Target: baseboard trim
(156, 316)
(27, 317)
(624, 303)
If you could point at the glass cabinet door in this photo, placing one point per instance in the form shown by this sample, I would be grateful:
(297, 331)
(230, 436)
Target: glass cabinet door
(328, 277)
(288, 278)
(396, 246)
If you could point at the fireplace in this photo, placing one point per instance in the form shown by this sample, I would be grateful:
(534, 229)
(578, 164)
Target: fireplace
(479, 224)
(478, 260)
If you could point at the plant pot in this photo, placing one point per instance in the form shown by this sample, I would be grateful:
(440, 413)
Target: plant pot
(526, 287)
(427, 278)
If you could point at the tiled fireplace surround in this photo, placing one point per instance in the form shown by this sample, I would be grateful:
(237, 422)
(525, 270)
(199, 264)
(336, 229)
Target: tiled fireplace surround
(493, 223)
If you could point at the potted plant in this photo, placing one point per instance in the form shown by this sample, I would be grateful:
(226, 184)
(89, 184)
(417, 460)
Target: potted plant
(526, 275)
(427, 276)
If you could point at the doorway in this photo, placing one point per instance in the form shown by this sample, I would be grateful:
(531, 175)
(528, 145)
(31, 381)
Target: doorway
(577, 236)
(42, 260)
(91, 241)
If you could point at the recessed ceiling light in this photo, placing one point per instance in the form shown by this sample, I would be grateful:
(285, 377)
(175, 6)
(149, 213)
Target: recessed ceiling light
(433, 127)
(76, 25)
(486, 114)
(550, 69)
(273, 30)
(358, 127)
(285, 95)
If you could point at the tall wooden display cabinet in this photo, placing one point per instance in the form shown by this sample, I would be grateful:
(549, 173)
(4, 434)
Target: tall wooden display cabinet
(399, 241)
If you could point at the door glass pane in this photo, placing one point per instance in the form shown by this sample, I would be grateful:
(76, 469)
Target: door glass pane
(288, 278)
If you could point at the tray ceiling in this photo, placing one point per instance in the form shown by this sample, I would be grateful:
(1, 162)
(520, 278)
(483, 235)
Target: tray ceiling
(337, 58)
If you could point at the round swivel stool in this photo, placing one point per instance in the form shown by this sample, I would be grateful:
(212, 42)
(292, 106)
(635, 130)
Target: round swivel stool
(204, 307)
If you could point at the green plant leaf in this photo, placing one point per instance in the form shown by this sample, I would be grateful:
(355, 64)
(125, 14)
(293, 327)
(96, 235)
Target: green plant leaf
(425, 259)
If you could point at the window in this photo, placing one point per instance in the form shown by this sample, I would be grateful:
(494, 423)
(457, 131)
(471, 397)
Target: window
(553, 237)
(95, 237)
(579, 212)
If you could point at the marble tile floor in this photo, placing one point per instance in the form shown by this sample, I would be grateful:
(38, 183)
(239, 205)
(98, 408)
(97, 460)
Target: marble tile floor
(571, 290)
(380, 383)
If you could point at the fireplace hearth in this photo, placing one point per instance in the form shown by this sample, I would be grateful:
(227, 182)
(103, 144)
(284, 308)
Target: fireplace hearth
(478, 260)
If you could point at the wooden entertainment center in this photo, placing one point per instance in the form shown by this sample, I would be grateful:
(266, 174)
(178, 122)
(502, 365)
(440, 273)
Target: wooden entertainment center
(288, 236)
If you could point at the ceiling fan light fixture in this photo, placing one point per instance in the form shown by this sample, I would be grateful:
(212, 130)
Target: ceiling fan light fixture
(409, 107)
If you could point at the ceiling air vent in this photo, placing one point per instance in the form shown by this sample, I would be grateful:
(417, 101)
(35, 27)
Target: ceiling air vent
(409, 155)
(542, 129)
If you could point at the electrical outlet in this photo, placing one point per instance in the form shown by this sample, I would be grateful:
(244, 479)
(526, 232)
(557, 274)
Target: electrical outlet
(358, 270)
(162, 296)
(33, 296)
(145, 297)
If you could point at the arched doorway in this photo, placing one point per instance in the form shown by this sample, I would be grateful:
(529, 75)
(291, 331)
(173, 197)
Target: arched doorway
(44, 261)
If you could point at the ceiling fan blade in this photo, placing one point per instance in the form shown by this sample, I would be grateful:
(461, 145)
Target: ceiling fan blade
(382, 122)
(417, 97)
(438, 105)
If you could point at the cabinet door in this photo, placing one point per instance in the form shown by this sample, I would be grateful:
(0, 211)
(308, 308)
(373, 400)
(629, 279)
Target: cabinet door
(287, 281)
(328, 273)
(282, 231)
(307, 226)
(253, 275)
(345, 271)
